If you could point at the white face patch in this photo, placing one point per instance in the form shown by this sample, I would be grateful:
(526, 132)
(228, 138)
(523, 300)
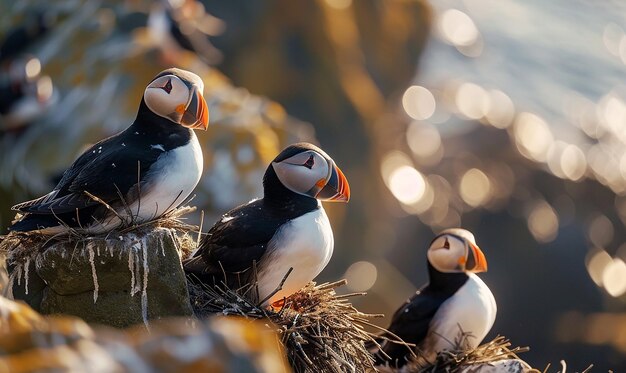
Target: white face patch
(304, 172)
(448, 253)
(168, 97)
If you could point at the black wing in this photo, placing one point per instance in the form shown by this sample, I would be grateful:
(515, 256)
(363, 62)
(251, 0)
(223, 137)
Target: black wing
(410, 322)
(235, 242)
(109, 168)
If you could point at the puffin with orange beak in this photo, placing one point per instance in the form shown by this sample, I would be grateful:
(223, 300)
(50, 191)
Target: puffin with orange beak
(143, 172)
(454, 302)
(287, 228)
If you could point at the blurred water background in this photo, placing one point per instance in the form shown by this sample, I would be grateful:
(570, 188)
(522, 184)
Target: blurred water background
(505, 117)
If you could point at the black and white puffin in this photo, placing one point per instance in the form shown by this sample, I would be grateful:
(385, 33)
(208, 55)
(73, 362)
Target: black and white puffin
(454, 300)
(141, 173)
(287, 228)
(25, 94)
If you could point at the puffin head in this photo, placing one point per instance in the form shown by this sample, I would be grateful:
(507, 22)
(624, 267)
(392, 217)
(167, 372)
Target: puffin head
(176, 95)
(307, 170)
(455, 250)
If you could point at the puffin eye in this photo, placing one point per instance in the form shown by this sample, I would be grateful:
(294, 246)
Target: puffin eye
(446, 245)
(168, 86)
(310, 162)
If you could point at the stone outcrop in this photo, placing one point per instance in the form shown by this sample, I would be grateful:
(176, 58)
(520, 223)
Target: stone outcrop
(119, 281)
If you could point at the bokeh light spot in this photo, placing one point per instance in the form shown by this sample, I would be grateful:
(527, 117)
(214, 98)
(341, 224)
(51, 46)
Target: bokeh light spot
(391, 161)
(423, 139)
(573, 162)
(475, 187)
(566, 161)
(32, 68)
(44, 88)
(361, 276)
(472, 101)
(532, 136)
(601, 231)
(457, 28)
(543, 222)
(501, 109)
(613, 111)
(597, 261)
(614, 277)
(418, 102)
(407, 185)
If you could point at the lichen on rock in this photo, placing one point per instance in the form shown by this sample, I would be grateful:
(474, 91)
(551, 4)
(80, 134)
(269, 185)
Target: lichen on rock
(30, 342)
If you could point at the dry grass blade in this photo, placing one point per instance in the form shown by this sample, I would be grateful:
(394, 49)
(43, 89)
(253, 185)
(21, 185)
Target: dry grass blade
(19, 246)
(321, 331)
(459, 358)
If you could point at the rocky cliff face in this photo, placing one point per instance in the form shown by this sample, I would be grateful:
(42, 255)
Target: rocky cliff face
(119, 280)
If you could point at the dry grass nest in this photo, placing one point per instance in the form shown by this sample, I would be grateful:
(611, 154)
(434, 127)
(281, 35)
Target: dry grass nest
(21, 246)
(320, 330)
(459, 358)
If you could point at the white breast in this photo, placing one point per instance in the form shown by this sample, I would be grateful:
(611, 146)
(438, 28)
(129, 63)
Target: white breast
(304, 244)
(174, 176)
(471, 309)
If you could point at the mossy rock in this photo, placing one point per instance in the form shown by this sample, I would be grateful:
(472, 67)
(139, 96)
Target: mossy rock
(121, 280)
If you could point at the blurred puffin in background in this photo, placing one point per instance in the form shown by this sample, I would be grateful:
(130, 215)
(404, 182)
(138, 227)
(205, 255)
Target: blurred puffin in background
(184, 25)
(143, 172)
(25, 94)
(287, 228)
(31, 29)
(453, 304)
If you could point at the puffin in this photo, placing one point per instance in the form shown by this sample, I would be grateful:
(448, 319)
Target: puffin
(285, 230)
(25, 94)
(135, 176)
(184, 25)
(454, 302)
(35, 26)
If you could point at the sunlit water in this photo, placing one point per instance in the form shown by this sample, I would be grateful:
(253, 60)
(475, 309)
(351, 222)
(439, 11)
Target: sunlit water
(541, 53)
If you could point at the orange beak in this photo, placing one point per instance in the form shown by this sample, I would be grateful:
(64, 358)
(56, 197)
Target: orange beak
(196, 116)
(336, 189)
(479, 259)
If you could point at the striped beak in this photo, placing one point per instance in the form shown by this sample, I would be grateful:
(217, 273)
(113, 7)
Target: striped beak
(336, 189)
(196, 115)
(476, 259)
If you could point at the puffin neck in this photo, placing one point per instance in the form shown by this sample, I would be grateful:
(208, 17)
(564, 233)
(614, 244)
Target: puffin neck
(447, 283)
(280, 198)
(149, 123)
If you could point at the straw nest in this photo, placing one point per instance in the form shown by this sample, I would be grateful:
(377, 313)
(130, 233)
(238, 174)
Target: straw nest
(19, 246)
(320, 330)
(498, 349)
(460, 359)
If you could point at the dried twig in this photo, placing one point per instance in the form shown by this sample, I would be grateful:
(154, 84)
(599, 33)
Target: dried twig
(320, 330)
(459, 357)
